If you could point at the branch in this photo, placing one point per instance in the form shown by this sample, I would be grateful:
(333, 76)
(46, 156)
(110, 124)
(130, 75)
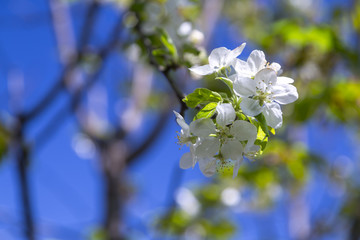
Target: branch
(21, 164)
(179, 94)
(151, 138)
(66, 73)
(59, 117)
(354, 230)
(166, 71)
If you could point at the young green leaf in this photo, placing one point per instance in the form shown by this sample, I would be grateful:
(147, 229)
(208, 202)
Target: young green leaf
(207, 111)
(262, 121)
(201, 96)
(168, 43)
(227, 81)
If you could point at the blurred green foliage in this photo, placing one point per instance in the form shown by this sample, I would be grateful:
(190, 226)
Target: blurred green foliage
(4, 142)
(324, 61)
(320, 51)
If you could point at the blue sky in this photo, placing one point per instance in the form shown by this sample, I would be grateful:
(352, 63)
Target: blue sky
(67, 190)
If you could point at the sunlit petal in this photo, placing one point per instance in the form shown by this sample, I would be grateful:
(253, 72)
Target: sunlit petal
(283, 80)
(243, 130)
(265, 77)
(256, 61)
(273, 114)
(202, 127)
(284, 93)
(251, 107)
(186, 161)
(217, 57)
(202, 70)
(180, 120)
(226, 114)
(237, 164)
(207, 166)
(244, 86)
(208, 147)
(234, 53)
(232, 149)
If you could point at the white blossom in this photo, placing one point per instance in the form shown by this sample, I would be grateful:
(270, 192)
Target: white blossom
(264, 93)
(255, 62)
(219, 58)
(256, 88)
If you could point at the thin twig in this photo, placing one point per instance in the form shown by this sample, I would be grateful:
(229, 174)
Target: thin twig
(179, 94)
(165, 71)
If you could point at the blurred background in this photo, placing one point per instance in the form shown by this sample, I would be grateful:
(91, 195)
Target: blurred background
(88, 138)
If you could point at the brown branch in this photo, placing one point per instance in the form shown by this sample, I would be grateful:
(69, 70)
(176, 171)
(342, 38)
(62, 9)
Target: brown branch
(164, 71)
(88, 25)
(22, 158)
(113, 155)
(179, 94)
(59, 117)
(72, 64)
(354, 230)
(150, 139)
(22, 155)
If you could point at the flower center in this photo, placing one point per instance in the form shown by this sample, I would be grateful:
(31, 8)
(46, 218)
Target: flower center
(182, 139)
(263, 97)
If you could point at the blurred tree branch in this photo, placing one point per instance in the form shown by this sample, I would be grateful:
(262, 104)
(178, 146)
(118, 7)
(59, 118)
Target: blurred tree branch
(21, 151)
(59, 85)
(22, 161)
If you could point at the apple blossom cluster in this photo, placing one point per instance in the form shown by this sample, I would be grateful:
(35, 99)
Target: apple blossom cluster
(231, 126)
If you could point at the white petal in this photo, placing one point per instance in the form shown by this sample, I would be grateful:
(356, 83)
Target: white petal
(202, 70)
(251, 107)
(251, 150)
(256, 61)
(208, 147)
(202, 127)
(283, 80)
(244, 86)
(225, 114)
(193, 153)
(284, 93)
(180, 120)
(243, 130)
(242, 68)
(233, 77)
(232, 149)
(234, 54)
(273, 114)
(265, 77)
(186, 161)
(275, 66)
(217, 57)
(207, 166)
(237, 166)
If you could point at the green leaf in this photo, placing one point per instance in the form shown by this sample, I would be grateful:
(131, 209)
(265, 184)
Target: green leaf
(189, 48)
(223, 95)
(262, 121)
(241, 116)
(227, 81)
(99, 234)
(159, 52)
(4, 141)
(262, 138)
(272, 130)
(207, 111)
(168, 43)
(201, 96)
